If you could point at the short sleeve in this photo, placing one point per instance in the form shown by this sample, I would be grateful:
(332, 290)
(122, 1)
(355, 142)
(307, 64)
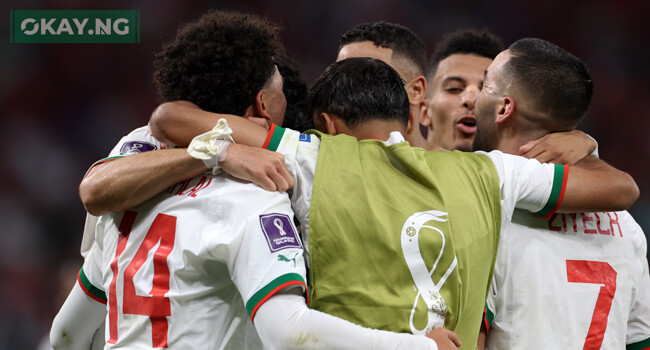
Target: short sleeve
(528, 184)
(269, 255)
(137, 141)
(90, 276)
(300, 153)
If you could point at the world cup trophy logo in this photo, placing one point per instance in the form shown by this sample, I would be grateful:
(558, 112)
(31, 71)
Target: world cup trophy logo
(428, 290)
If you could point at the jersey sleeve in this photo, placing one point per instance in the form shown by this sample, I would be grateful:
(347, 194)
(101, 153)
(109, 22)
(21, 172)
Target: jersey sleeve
(268, 255)
(528, 184)
(638, 325)
(90, 276)
(137, 141)
(300, 153)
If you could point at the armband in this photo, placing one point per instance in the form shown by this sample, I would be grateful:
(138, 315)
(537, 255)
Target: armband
(211, 147)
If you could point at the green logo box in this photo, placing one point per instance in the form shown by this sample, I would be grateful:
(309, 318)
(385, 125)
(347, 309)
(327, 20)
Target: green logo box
(74, 26)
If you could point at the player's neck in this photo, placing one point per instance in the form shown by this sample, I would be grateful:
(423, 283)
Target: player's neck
(376, 129)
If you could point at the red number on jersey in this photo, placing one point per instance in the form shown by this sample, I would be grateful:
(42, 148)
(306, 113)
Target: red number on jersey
(598, 272)
(157, 306)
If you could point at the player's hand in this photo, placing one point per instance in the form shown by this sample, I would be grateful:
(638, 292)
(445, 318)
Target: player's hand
(559, 147)
(259, 166)
(446, 339)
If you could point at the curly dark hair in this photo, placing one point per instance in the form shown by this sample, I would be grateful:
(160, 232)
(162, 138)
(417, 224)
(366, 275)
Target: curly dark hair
(218, 62)
(403, 41)
(295, 91)
(465, 41)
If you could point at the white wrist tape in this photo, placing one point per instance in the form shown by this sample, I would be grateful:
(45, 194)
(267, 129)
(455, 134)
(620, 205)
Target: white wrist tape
(595, 152)
(210, 147)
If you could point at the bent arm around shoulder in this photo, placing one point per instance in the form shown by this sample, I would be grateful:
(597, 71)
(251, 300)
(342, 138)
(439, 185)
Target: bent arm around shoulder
(178, 122)
(593, 185)
(122, 183)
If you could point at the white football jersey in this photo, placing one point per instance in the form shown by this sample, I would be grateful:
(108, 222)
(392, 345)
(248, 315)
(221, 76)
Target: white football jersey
(572, 281)
(190, 267)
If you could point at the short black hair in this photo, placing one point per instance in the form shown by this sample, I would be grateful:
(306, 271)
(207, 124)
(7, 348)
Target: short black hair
(465, 41)
(295, 91)
(218, 62)
(558, 82)
(359, 90)
(403, 41)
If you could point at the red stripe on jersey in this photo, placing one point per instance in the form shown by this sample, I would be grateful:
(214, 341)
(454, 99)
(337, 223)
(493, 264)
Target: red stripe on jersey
(275, 290)
(269, 136)
(565, 177)
(87, 292)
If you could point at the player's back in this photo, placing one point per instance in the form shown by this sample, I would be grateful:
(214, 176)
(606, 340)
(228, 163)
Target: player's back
(168, 274)
(572, 281)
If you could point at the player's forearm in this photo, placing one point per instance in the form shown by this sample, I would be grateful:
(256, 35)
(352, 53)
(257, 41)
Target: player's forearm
(77, 321)
(179, 122)
(285, 322)
(593, 185)
(126, 182)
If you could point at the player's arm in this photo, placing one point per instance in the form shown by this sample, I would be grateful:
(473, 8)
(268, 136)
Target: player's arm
(77, 321)
(589, 185)
(178, 122)
(593, 185)
(285, 322)
(567, 147)
(113, 186)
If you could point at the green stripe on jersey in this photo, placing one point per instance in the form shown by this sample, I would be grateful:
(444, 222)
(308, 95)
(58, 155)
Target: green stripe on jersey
(558, 184)
(90, 288)
(274, 143)
(642, 345)
(489, 315)
(270, 289)
(101, 161)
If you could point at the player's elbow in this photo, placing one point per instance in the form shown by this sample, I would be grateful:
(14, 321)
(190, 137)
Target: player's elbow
(60, 337)
(95, 199)
(629, 193)
(160, 121)
(164, 117)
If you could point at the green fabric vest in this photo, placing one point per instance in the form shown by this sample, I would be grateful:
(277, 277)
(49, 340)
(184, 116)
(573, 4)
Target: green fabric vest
(378, 217)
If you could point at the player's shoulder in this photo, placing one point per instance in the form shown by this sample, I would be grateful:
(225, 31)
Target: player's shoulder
(138, 141)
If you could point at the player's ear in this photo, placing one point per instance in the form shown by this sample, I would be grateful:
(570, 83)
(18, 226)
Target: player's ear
(416, 90)
(328, 123)
(425, 118)
(260, 106)
(505, 110)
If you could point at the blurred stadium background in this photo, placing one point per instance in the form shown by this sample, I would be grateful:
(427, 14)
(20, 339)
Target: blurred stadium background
(63, 106)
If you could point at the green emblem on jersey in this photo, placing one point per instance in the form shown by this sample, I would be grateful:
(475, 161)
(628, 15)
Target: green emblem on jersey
(284, 258)
(410, 231)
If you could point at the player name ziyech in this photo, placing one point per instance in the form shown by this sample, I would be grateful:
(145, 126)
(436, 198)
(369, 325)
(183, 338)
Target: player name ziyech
(75, 26)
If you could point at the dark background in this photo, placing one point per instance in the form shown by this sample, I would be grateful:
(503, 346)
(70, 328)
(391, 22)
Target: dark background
(63, 106)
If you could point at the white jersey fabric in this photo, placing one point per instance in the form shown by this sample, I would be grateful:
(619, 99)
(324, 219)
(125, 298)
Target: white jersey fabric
(190, 267)
(571, 281)
(137, 141)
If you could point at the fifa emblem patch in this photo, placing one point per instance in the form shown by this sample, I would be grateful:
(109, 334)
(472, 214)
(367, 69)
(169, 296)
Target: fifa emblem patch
(279, 231)
(304, 138)
(133, 147)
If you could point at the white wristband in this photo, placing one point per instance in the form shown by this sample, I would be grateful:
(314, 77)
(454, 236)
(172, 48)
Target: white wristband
(210, 147)
(595, 152)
